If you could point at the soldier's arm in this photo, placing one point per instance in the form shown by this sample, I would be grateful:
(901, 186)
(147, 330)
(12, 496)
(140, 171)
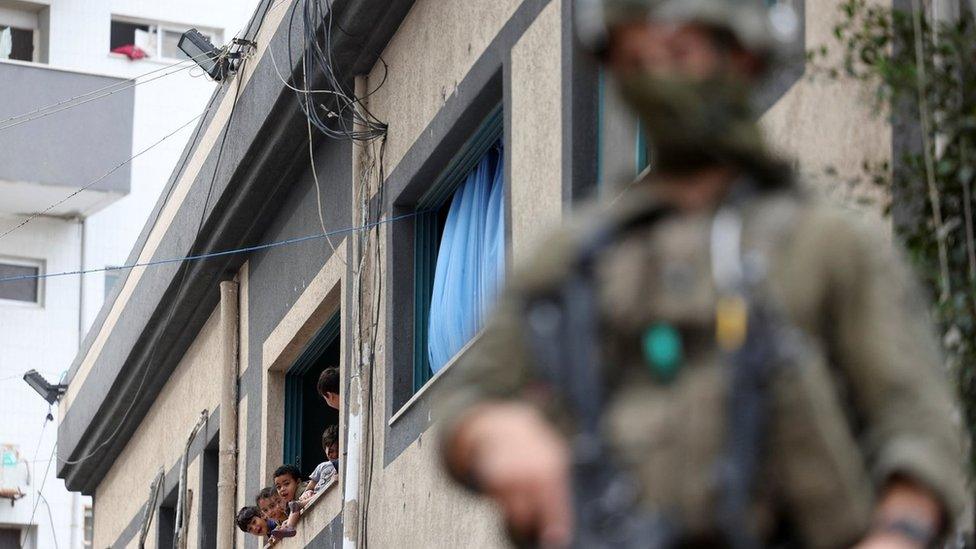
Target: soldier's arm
(497, 438)
(883, 341)
(498, 421)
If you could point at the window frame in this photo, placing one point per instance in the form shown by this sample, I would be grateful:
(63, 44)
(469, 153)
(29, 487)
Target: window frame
(158, 28)
(23, 19)
(291, 441)
(40, 264)
(427, 236)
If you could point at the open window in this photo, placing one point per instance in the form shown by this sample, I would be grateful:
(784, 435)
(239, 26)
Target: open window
(166, 521)
(19, 33)
(208, 494)
(459, 251)
(306, 414)
(154, 39)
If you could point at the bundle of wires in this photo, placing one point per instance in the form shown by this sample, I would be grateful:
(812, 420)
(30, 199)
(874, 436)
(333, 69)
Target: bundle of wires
(333, 110)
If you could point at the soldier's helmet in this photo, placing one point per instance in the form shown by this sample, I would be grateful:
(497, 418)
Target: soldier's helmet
(766, 28)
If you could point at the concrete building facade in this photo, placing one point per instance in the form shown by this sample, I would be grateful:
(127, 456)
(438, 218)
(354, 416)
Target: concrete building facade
(239, 338)
(71, 116)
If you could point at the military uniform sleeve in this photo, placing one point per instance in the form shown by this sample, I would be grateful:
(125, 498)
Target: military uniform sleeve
(884, 343)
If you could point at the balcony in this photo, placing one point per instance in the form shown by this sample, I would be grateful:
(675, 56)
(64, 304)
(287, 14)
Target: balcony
(43, 159)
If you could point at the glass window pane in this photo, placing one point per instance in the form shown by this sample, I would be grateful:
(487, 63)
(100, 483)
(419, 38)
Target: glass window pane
(124, 34)
(170, 46)
(24, 289)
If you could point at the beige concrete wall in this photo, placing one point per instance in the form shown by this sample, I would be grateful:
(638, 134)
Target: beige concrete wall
(825, 123)
(411, 502)
(537, 130)
(431, 52)
(159, 440)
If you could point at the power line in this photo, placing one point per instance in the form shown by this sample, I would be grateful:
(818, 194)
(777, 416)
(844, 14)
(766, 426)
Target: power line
(40, 489)
(103, 176)
(181, 286)
(234, 251)
(45, 114)
(128, 83)
(134, 81)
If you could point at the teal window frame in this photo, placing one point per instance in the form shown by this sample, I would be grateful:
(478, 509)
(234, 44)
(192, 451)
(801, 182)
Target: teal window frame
(427, 234)
(295, 403)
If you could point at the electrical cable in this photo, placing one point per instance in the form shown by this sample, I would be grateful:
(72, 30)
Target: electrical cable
(93, 182)
(234, 251)
(63, 108)
(180, 287)
(131, 82)
(335, 124)
(37, 500)
(190, 63)
(50, 517)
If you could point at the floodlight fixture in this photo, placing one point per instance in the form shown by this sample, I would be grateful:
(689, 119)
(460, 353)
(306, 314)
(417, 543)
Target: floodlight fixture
(50, 393)
(201, 50)
(216, 62)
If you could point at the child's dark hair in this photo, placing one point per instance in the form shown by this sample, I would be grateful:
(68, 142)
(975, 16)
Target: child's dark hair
(245, 515)
(288, 470)
(330, 436)
(266, 493)
(329, 381)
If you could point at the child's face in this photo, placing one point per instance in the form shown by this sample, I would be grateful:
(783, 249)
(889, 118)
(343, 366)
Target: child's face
(286, 485)
(333, 452)
(258, 526)
(272, 508)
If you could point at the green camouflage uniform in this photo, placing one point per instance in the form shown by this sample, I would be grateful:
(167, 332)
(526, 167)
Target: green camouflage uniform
(870, 399)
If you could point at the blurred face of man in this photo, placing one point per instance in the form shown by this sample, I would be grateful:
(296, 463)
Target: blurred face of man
(686, 51)
(662, 49)
(690, 85)
(332, 399)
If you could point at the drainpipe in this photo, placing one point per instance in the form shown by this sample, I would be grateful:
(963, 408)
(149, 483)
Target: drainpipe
(74, 521)
(227, 466)
(354, 398)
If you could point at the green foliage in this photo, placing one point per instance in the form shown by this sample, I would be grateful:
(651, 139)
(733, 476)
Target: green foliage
(879, 47)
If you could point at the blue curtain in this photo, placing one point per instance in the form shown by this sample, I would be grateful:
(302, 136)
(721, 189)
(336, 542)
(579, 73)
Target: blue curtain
(471, 260)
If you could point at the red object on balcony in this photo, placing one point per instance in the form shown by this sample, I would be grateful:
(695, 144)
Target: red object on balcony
(131, 51)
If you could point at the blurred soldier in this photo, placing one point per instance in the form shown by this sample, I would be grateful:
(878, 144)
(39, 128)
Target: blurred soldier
(712, 358)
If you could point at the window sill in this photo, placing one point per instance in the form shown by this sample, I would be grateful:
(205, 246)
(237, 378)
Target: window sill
(419, 395)
(163, 61)
(315, 517)
(21, 304)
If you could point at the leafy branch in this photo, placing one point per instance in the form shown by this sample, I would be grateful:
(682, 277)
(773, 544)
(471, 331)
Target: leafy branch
(923, 74)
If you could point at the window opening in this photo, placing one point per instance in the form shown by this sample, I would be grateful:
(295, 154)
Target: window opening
(24, 290)
(16, 43)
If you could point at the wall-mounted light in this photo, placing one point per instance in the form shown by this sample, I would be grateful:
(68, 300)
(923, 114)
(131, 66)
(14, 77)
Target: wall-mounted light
(50, 393)
(216, 62)
(201, 50)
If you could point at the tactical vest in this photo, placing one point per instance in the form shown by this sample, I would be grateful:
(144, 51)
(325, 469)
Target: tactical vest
(666, 335)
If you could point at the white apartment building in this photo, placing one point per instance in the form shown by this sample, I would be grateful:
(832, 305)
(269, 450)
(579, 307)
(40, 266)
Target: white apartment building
(53, 147)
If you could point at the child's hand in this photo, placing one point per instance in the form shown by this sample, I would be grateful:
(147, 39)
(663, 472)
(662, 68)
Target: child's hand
(306, 495)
